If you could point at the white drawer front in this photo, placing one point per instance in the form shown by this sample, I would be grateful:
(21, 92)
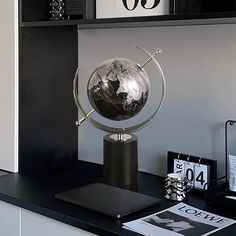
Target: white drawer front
(9, 220)
(37, 225)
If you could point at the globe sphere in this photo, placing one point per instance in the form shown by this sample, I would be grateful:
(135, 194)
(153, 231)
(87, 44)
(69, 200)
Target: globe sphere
(118, 89)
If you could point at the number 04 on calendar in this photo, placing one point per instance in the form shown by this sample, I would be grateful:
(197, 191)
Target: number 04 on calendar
(198, 170)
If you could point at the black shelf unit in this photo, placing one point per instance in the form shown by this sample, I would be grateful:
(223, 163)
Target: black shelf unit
(35, 13)
(48, 55)
(48, 58)
(165, 20)
(171, 20)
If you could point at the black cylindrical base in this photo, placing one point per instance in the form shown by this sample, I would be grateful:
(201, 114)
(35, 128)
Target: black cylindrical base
(121, 161)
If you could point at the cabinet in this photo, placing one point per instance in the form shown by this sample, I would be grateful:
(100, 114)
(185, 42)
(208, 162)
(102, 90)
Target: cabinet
(49, 58)
(15, 221)
(36, 13)
(9, 220)
(9, 85)
(37, 225)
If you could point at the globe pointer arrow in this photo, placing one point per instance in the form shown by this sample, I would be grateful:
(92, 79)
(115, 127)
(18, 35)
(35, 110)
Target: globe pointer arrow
(156, 53)
(78, 123)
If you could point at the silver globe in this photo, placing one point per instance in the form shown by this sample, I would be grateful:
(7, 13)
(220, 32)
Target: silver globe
(118, 89)
(133, 85)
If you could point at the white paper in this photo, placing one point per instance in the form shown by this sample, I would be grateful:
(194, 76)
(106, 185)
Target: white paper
(202, 176)
(232, 173)
(180, 219)
(179, 166)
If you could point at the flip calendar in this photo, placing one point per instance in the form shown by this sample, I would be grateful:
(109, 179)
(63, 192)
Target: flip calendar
(198, 170)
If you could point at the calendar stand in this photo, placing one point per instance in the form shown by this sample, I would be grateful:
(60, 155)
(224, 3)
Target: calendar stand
(198, 170)
(220, 193)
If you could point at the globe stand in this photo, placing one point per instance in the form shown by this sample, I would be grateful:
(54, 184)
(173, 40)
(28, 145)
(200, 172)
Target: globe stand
(120, 153)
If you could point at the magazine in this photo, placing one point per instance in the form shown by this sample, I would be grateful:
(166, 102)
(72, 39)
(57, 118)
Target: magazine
(181, 219)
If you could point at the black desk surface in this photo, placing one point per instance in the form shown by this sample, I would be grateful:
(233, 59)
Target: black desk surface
(37, 194)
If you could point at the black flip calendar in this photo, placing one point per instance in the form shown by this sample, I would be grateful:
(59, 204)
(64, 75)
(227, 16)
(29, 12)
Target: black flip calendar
(198, 170)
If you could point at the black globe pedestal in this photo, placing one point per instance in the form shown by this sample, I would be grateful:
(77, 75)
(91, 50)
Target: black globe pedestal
(121, 162)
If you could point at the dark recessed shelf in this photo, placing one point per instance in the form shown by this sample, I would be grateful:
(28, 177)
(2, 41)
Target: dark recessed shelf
(165, 20)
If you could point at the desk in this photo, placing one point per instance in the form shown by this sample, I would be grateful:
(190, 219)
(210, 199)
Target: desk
(37, 195)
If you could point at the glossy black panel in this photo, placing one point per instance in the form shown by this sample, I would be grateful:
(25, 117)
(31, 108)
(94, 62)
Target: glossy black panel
(204, 6)
(35, 10)
(47, 113)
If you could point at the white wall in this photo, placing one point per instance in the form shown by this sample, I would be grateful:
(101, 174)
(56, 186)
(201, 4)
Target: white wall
(8, 84)
(199, 63)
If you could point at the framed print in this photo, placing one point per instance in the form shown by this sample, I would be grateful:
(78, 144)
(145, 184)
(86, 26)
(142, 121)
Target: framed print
(131, 8)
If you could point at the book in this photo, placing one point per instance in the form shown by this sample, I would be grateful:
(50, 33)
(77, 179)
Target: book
(181, 219)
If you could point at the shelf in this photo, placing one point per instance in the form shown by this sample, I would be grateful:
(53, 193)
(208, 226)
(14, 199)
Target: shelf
(51, 23)
(165, 20)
